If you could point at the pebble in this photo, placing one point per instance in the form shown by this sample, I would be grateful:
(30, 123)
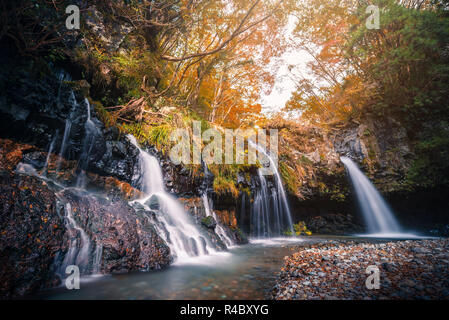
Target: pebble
(412, 269)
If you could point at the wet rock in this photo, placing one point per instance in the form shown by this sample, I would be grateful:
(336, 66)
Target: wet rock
(35, 240)
(32, 233)
(209, 222)
(121, 231)
(153, 203)
(333, 224)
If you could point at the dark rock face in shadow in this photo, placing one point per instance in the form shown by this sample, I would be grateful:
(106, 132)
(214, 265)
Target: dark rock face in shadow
(336, 224)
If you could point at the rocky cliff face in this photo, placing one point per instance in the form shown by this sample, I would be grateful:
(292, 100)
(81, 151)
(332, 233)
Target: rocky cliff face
(317, 181)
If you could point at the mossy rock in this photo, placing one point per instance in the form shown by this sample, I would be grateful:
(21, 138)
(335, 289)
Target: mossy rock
(209, 222)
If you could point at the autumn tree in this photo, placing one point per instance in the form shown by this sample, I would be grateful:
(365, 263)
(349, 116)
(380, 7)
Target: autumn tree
(400, 68)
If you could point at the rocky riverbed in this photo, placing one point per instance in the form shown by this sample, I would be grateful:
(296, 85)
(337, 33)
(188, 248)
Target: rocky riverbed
(412, 269)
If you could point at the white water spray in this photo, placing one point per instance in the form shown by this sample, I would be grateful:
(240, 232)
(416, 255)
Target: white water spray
(173, 223)
(378, 216)
(219, 230)
(91, 132)
(78, 254)
(65, 138)
(270, 214)
(50, 150)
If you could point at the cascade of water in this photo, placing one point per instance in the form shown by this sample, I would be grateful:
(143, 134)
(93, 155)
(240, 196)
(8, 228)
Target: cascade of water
(173, 224)
(91, 132)
(26, 169)
(218, 229)
(50, 150)
(378, 216)
(270, 213)
(67, 131)
(65, 138)
(96, 268)
(78, 254)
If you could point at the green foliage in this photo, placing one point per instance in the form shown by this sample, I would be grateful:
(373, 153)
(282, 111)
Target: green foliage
(208, 221)
(224, 185)
(304, 160)
(300, 229)
(225, 178)
(430, 168)
(158, 135)
(103, 114)
(405, 59)
(137, 130)
(289, 178)
(366, 133)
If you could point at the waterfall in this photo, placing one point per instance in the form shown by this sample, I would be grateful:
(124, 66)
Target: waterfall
(91, 131)
(172, 222)
(67, 130)
(78, 254)
(96, 268)
(270, 213)
(50, 150)
(65, 138)
(219, 230)
(378, 216)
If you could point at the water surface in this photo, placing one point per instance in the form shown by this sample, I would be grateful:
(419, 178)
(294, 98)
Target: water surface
(244, 272)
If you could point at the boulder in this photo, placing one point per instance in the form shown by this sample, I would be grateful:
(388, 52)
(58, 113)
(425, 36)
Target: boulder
(153, 203)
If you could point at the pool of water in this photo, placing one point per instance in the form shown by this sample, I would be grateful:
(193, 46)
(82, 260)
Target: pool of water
(244, 272)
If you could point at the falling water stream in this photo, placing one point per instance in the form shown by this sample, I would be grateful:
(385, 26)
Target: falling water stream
(50, 150)
(80, 246)
(91, 132)
(379, 218)
(270, 213)
(245, 272)
(218, 229)
(78, 253)
(173, 223)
